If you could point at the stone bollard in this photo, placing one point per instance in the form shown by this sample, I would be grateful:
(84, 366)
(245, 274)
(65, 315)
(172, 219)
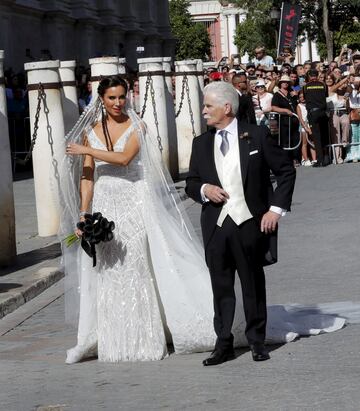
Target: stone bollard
(102, 66)
(69, 93)
(185, 130)
(200, 70)
(170, 114)
(49, 148)
(122, 65)
(158, 106)
(7, 211)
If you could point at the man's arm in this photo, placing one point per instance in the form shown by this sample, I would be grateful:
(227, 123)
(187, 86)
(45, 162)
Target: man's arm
(193, 180)
(281, 165)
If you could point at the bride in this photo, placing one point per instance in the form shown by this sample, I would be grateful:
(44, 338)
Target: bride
(151, 285)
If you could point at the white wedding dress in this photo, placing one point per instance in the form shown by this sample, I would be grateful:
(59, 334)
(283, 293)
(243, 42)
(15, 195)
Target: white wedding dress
(151, 285)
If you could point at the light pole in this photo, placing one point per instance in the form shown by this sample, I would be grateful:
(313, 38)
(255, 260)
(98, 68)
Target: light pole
(275, 18)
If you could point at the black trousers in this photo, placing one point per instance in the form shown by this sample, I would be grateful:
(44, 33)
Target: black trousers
(319, 123)
(237, 248)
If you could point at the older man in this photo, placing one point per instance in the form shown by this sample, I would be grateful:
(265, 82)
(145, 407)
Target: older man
(230, 176)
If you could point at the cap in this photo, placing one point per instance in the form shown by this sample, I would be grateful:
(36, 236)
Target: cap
(260, 83)
(215, 75)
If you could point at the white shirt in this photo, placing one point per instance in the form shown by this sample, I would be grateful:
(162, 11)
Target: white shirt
(232, 134)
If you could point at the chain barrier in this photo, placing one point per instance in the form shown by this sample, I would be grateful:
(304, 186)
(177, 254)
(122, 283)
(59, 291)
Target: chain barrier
(150, 86)
(185, 88)
(182, 96)
(41, 97)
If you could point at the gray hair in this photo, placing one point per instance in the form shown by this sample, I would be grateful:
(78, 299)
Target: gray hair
(225, 94)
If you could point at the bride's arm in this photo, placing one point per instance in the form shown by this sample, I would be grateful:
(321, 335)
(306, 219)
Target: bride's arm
(87, 181)
(122, 158)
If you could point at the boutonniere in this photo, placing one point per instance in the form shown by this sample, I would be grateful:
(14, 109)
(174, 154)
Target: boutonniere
(245, 136)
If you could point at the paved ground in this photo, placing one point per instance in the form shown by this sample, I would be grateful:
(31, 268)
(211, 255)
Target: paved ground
(318, 263)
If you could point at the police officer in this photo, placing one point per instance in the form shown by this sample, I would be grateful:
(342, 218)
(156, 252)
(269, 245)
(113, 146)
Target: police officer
(315, 93)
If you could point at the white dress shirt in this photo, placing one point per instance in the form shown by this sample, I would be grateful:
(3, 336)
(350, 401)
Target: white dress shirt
(232, 134)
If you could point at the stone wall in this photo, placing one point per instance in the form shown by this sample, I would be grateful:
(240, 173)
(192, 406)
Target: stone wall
(81, 29)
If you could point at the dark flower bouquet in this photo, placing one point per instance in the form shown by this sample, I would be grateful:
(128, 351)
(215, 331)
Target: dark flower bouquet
(95, 229)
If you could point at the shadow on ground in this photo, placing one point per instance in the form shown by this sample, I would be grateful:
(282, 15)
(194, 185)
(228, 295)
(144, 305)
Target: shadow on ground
(32, 258)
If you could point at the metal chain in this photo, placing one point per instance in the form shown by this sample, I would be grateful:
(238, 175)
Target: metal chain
(190, 108)
(147, 85)
(182, 95)
(41, 96)
(150, 86)
(152, 92)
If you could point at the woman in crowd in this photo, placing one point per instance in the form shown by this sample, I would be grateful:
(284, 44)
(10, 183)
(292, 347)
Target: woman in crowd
(262, 103)
(339, 118)
(305, 133)
(353, 151)
(284, 103)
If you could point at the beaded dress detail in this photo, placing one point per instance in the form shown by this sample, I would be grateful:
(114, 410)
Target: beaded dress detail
(129, 325)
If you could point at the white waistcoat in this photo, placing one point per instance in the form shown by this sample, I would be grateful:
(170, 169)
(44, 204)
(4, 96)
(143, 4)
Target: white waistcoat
(229, 172)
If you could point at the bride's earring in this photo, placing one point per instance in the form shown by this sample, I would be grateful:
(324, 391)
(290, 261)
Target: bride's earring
(103, 109)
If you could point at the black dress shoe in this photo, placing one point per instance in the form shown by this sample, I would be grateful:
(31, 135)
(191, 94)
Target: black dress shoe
(259, 352)
(219, 356)
(318, 164)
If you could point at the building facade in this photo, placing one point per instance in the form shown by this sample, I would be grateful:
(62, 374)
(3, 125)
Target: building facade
(81, 29)
(221, 18)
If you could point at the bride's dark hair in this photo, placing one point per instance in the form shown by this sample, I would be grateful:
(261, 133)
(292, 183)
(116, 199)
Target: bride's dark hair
(106, 83)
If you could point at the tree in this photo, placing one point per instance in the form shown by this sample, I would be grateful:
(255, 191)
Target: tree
(258, 29)
(193, 40)
(334, 17)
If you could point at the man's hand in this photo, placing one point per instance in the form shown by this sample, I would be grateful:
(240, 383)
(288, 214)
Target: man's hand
(215, 194)
(269, 222)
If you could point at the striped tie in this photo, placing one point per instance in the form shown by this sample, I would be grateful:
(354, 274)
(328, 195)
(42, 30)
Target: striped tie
(224, 146)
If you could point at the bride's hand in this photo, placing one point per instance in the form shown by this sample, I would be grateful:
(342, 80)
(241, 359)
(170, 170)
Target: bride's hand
(76, 149)
(78, 232)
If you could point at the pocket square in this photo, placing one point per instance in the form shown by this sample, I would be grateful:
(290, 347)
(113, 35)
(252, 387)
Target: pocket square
(253, 152)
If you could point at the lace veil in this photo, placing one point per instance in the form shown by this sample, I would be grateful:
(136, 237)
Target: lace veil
(176, 251)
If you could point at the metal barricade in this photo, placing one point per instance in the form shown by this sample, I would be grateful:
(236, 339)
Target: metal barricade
(275, 123)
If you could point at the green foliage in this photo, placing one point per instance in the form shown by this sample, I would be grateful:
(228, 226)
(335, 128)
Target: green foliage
(252, 33)
(257, 29)
(258, 25)
(193, 40)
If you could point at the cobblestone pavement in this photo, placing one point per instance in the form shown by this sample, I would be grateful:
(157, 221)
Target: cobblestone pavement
(318, 263)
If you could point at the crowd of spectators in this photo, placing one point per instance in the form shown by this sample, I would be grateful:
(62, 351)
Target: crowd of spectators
(308, 123)
(319, 102)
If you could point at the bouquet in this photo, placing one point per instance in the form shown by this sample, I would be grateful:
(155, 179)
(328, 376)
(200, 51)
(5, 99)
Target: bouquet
(95, 229)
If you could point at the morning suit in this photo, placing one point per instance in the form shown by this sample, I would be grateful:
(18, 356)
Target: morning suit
(232, 239)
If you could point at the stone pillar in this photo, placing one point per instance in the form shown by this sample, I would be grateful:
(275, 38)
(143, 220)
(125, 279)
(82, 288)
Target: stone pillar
(7, 211)
(183, 121)
(102, 66)
(231, 33)
(49, 148)
(69, 93)
(155, 65)
(200, 70)
(122, 65)
(170, 114)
